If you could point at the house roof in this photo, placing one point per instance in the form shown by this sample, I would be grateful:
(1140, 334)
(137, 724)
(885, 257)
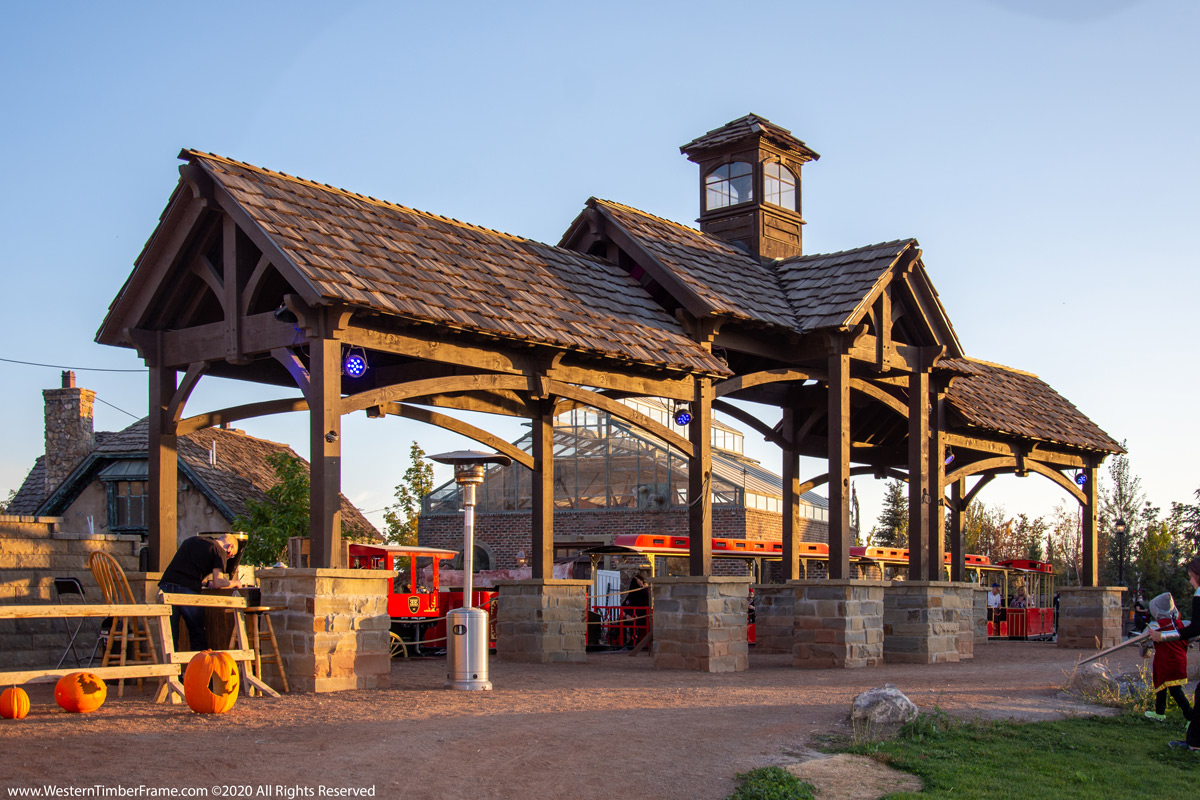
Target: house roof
(824, 290)
(240, 472)
(746, 127)
(730, 282)
(1009, 401)
(384, 257)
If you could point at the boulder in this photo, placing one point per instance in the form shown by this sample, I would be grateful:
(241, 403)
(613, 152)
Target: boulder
(878, 712)
(1096, 683)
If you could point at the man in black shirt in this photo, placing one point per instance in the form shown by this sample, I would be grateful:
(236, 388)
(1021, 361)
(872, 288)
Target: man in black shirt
(197, 560)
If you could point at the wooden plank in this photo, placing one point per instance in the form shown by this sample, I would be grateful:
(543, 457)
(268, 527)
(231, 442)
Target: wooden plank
(106, 673)
(69, 610)
(205, 600)
(185, 656)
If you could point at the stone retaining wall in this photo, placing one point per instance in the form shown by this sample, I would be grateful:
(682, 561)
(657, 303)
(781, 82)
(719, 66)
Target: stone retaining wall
(700, 623)
(542, 621)
(774, 618)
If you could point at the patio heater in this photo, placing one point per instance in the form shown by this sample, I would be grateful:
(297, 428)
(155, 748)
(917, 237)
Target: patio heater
(467, 627)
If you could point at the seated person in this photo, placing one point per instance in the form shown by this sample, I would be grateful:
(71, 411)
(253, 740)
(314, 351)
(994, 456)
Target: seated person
(198, 560)
(996, 610)
(1022, 599)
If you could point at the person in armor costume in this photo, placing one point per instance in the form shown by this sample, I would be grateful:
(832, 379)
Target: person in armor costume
(1169, 670)
(1189, 631)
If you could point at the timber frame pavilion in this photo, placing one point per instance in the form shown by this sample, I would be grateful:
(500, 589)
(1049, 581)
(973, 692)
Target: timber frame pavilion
(260, 276)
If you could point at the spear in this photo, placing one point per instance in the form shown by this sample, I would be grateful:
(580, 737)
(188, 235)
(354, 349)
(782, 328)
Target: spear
(1116, 647)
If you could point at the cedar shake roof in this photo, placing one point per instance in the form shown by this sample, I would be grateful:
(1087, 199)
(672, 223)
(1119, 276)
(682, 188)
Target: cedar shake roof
(241, 472)
(729, 281)
(1008, 401)
(825, 290)
(384, 257)
(748, 126)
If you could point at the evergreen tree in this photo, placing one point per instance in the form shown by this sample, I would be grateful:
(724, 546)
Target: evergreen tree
(1123, 500)
(401, 519)
(892, 527)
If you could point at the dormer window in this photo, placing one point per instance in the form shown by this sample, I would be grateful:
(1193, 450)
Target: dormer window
(779, 185)
(728, 185)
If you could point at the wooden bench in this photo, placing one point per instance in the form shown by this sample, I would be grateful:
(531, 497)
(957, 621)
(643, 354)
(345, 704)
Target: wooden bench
(170, 662)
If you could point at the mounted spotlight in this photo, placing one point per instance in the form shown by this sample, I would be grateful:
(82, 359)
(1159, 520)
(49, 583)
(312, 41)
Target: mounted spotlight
(1081, 477)
(683, 415)
(285, 314)
(949, 456)
(354, 365)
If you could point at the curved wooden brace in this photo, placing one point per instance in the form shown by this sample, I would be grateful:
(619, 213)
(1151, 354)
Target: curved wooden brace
(977, 488)
(254, 283)
(770, 434)
(458, 426)
(234, 413)
(621, 411)
(194, 371)
(821, 480)
(454, 383)
(871, 390)
(1006, 463)
(203, 269)
(741, 382)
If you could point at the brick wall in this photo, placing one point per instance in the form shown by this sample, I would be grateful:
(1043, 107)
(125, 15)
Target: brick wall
(33, 552)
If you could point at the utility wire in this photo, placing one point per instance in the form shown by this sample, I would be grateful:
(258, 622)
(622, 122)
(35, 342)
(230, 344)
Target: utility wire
(76, 369)
(123, 411)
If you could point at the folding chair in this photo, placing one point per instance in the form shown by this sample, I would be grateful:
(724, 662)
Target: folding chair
(122, 631)
(70, 586)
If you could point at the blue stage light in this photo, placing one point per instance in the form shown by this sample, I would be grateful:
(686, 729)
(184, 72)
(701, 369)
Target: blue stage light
(1081, 477)
(355, 365)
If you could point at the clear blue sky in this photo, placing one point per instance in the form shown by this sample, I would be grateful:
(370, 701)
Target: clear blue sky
(1046, 159)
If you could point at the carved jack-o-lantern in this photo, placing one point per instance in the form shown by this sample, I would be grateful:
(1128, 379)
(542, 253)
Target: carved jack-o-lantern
(80, 692)
(14, 703)
(210, 682)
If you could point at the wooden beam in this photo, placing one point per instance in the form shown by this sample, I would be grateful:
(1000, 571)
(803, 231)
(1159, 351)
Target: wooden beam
(433, 386)
(876, 393)
(790, 473)
(839, 465)
(1090, 572)
(936, 460)
(740, 383)
(234, 413)
(163, 468)
(700, 481)
(958, 571)
(750, 421)
(295, 367)
(458, 426)
(542, 499)
(179, 399)
(325, 448)
(919, 488)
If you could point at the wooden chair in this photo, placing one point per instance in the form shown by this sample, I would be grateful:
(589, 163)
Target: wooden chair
(125, 632)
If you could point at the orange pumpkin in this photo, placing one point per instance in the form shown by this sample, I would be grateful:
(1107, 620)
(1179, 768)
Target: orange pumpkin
(80, 692)
(211, 682)
(14, 703)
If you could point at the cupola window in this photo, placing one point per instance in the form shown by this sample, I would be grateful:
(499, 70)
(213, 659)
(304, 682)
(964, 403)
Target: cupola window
(779, 185)
(728, 185)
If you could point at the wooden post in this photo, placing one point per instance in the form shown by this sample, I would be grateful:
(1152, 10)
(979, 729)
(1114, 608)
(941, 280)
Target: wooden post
(937, 487)
(839, 465)
(162, 516)
(542, 540)
(1091, 557)
(700, 480)
(958, 571)
(791, 497)
(919, 489)
(325, 448)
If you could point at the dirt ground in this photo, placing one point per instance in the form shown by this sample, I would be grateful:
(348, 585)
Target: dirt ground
(614, 727)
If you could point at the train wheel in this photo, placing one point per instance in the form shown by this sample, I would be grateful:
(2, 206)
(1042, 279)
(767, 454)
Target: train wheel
(398, 648)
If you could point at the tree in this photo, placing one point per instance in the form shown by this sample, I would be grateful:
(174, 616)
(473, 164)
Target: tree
(855, 515)
(12, 493)
(1122, 501)
(283, 514)
(892, 527)
(401, 518)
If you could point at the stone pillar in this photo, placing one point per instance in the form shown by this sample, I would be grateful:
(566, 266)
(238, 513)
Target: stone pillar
(69, 429)
(921, 621)
(980, 617)
(700, 623)
(1089, 616)
(333, 629)
(774, 618)
(839, 623)
(542, 621)
(144, 586)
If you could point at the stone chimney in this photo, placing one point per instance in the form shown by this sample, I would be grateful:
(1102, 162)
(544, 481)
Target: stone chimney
(70, 433)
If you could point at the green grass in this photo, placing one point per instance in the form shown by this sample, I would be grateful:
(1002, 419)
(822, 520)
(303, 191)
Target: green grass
(771, 783)
(1086, 758)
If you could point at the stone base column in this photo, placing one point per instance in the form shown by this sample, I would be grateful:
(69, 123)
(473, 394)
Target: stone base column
(774, 618)
(921, 621)
(980, 618)
(1089, 616)
(333, 633)
(700, 623)
(144, 586)
(838, 624)
(542, 621)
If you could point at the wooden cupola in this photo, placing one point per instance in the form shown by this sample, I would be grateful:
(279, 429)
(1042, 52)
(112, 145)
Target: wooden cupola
(750, 186)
